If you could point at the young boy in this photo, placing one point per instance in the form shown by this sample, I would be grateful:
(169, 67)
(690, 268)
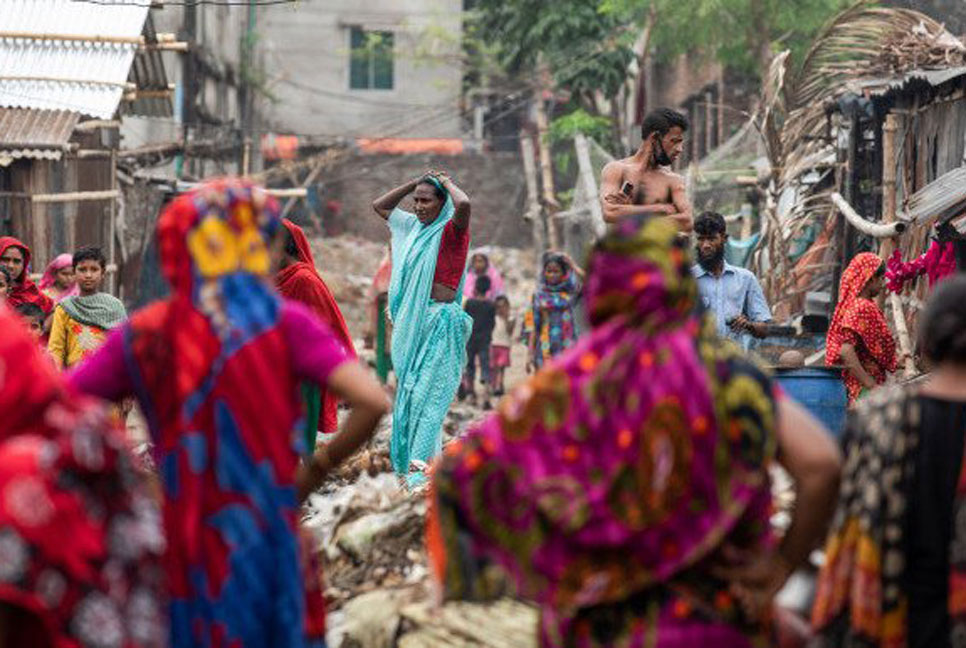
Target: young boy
(81, 322)
(483, 312)
(33, 316)
(501, 343)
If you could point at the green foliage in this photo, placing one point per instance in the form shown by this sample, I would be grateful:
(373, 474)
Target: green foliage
(734, 32)
(585, 49)
(580, 121)
(562, 131)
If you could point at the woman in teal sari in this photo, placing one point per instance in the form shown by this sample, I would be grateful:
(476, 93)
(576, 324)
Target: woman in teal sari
(430, 329)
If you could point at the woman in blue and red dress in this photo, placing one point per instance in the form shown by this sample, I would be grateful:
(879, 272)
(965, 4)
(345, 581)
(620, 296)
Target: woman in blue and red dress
(216, 368)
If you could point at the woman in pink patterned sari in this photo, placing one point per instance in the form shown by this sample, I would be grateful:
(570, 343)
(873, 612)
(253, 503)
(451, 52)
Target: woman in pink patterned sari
(625, 488)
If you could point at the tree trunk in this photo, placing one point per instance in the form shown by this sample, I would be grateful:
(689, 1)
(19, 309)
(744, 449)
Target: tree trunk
(759, 36)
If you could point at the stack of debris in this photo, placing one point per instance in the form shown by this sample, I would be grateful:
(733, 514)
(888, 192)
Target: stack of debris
(369, 531)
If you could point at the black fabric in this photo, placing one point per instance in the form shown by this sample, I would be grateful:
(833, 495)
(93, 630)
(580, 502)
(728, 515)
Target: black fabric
(483, 312)
(929, 522)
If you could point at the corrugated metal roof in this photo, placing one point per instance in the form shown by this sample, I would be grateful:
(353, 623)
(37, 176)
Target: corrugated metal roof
(56, 73)
(147, 72)
(941, 199)
(884, 85)
(31, 133)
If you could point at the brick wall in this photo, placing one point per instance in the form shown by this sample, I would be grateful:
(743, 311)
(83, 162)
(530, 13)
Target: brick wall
(493, 181)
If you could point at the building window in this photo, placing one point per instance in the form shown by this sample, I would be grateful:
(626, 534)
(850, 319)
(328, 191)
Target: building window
(370, 59)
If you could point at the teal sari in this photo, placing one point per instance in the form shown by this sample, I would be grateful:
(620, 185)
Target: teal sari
(428, 341)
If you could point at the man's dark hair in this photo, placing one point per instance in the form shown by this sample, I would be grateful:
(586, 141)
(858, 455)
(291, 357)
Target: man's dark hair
(943, 326)
(90, 253)
(291, 249)
(710, 223)
(661, 120)
(482, 285)
(30, 311)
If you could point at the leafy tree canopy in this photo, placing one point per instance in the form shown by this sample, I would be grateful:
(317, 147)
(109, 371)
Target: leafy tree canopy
(741, 34)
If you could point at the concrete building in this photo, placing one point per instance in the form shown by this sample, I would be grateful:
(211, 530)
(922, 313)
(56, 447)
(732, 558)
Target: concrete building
(364, 68)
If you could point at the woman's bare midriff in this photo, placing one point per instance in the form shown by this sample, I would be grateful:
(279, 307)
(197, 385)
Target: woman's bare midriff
(442, 293)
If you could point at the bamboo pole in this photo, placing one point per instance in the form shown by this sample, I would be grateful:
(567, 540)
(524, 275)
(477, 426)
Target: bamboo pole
(533, 201)
(75, 196)
(126, 85)
(112, 226)
(902, 332)
(309, 179)
(546, 168)
(296, 192)
(92, 124)
(120, 40)
(889, 129)
(590, 184)
(875, 230)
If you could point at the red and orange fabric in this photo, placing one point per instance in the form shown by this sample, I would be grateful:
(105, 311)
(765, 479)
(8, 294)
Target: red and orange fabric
(216, 369)
(859, 322)
(24, 290)
(613, 478)
(65, 472)
(301, 282)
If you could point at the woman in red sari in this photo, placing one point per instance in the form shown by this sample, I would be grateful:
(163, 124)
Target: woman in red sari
(15, 256)
(859, 338)
(299, 281)
(80, 540)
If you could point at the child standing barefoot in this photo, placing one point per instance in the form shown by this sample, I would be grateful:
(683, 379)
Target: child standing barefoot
(500, 346)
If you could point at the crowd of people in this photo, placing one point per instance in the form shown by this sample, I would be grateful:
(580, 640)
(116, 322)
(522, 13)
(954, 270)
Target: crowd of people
(625, 486)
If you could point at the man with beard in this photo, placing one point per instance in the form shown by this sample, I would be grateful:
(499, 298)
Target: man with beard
(731, 293)
(644, 182)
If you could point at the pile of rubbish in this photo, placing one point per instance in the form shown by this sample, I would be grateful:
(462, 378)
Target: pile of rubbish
(370, 532)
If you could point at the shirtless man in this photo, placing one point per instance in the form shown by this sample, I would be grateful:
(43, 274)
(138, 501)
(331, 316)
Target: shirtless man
(644, 182)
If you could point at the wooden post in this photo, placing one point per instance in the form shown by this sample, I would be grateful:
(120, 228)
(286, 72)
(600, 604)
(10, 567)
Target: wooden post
(112, 232)
(889, 129)
(247, 156)
(533, 202)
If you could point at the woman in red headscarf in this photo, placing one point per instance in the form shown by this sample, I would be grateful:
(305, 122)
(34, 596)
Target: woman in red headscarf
(299, 281)
(16, 257)
(216, 368)
(859, 337)
(66, 474)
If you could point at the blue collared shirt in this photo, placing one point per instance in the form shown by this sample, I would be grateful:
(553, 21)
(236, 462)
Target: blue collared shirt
(736, 292)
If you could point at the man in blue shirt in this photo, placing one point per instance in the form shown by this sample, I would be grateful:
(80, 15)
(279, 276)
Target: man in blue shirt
(732, 294)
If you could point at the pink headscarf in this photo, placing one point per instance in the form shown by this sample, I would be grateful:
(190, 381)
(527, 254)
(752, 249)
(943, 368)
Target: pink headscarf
(496, 279)
(48, 284)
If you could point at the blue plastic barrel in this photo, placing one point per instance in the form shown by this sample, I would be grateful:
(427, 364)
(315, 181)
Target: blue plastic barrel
(821, 391)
